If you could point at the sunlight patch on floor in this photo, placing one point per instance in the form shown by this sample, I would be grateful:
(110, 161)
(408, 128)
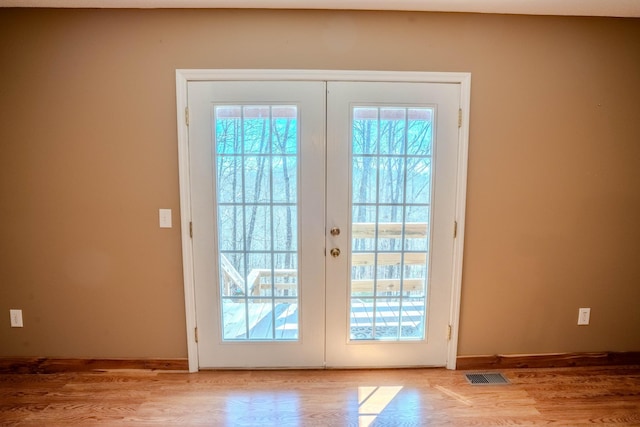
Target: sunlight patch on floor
(372, 401)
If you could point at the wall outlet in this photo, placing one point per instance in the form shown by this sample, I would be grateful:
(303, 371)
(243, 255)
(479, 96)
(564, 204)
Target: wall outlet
(16, 318)
(583, 316)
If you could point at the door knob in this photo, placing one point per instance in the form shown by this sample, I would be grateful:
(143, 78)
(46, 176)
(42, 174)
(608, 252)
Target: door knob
(335, 252)
(335, 231)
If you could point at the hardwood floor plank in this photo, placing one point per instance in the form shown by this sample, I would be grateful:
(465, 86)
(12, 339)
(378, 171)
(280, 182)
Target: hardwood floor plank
(403, 397)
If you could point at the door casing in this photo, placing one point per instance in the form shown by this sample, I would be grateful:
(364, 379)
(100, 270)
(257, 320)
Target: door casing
(183, 76)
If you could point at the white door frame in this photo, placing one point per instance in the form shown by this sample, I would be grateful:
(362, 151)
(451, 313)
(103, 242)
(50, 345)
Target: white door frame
(183, 76)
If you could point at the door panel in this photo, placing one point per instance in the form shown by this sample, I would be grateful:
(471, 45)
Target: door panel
(258, 252)
(392, 155)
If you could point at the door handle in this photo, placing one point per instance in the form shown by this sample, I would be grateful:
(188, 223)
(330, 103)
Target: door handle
(335, 252)
(335, 231)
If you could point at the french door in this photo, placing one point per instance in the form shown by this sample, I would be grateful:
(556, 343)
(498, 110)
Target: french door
(258, 200)
(323, 220)
(391, 180)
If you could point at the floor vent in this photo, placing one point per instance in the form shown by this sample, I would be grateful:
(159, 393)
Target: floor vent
(486, 379)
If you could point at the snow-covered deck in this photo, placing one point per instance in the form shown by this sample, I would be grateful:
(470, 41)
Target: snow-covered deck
(267, 321)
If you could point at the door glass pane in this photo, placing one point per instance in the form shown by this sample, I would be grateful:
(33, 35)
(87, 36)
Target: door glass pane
(391, 197)
(256, 192)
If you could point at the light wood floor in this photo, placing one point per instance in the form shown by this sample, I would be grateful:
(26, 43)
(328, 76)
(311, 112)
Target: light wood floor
(404, 397)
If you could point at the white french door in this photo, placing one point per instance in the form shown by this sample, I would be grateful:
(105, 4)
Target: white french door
(323, 222)
(391, 175)
(258, 198)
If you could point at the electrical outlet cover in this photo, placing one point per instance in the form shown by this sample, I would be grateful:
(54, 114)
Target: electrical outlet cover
(16, 318)
(583, 316)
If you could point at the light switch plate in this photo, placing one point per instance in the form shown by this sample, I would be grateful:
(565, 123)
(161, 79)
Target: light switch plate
(16, 318)
(165, 218)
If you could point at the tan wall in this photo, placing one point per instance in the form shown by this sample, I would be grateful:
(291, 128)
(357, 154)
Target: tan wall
(88, 153)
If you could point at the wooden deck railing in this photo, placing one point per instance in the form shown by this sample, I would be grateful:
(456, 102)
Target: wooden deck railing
(259, 280)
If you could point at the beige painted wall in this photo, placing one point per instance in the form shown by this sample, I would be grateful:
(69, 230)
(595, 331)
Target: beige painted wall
(88, 153)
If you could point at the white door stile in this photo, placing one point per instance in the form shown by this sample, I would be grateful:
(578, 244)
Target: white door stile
(185, 219)
(460, 214)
